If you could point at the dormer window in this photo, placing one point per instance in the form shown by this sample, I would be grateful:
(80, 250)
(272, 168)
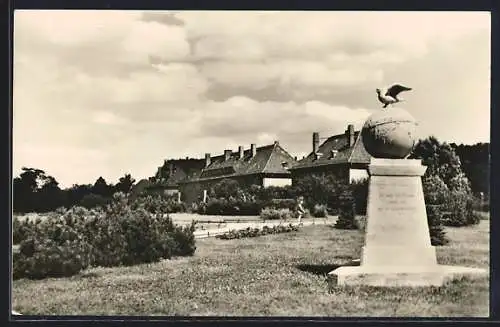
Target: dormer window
(334, 154)
(318, 155)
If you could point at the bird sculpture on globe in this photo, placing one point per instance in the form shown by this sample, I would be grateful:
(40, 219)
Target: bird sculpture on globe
(389, 134)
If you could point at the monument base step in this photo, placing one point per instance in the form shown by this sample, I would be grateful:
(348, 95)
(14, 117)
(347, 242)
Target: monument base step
(400, 276)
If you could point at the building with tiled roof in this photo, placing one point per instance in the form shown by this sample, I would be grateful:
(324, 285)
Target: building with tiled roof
(265, 166)
(174, 171)
(168, 176)
(343, 155)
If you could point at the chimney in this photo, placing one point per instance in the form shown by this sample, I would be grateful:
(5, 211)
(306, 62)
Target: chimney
(207, 160)
(295, 158)
(253, 148)
(241, 153)
(315, 142)
(227, 155)
(350, 135)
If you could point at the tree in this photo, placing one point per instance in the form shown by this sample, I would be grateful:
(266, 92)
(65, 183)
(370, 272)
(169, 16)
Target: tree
(50, 196)
(24, 189)
(319, 189)
(360, 192)
(76, 193)
(125, 184)
(476, 165)
(102, 188)
(435, 190)
(435, 193)
(347, 211)
(34, 191)
(226, 188)
(440, 159)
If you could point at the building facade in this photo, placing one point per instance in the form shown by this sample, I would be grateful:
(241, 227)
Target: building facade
(264, 166)
(342, 155)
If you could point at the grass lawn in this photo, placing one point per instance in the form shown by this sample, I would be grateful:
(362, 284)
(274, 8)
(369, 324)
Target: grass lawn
(280, 275)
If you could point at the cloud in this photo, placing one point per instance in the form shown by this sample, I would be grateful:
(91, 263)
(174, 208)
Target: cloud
(241, 118)
(155, 39)
(167, 18)
(108, 118)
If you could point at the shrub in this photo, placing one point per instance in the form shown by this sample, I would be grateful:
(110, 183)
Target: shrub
(360, 193)
(436, 230)
(275, 214)
(126, 236)
(119, 235)
(225, 188)
(319, 211)
(347, 215)
(41, 258)
(457, 208)
(472, 217)
(319, 188)
(232, 207)
(435, 190)
(289, 204)
(21, 229)
(254, 232)
(156, 203)
(94, 200)
(477, 205)
(54, 248)
(267, 194)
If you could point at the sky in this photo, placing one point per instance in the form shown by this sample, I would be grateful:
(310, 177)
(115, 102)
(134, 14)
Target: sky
(105, 93)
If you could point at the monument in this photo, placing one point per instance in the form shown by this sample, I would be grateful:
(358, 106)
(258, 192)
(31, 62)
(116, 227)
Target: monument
(397, 249)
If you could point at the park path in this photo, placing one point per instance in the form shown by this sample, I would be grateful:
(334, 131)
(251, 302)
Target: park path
(216, 230)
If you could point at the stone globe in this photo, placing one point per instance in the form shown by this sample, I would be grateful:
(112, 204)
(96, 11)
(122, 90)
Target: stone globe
(389, 134)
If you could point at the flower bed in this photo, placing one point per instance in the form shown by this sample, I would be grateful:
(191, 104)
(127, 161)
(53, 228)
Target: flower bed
(254, 232)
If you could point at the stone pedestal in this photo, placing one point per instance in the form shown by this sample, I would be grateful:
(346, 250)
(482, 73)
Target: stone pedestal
(397, 249)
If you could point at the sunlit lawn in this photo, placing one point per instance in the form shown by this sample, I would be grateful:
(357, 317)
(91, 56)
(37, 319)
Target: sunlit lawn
(282, 275)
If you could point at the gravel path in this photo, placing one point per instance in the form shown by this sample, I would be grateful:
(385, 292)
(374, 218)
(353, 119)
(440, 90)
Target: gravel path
(210, 232)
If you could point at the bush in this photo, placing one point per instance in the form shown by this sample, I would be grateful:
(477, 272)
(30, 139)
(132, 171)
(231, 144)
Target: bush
(41, 258)
(319, 188)
(128, 236)
(267, 194)
(254, 232)
(275, 214)
(156, 203)
(119, 235)
(319, 211)
(436, 230)
(347, 215)
(457, 209)
(231, 207)
(435, 190)
(54, 248)
(472, 217)
(289, 204)
(21, 229)
(94, 200)
(477, 205)
(225, 188)
(360, 193)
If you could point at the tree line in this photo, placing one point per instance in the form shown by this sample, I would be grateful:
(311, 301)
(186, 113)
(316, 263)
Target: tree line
(36, 191)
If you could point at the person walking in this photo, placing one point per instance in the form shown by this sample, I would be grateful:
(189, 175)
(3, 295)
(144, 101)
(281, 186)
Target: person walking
(300, 209)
